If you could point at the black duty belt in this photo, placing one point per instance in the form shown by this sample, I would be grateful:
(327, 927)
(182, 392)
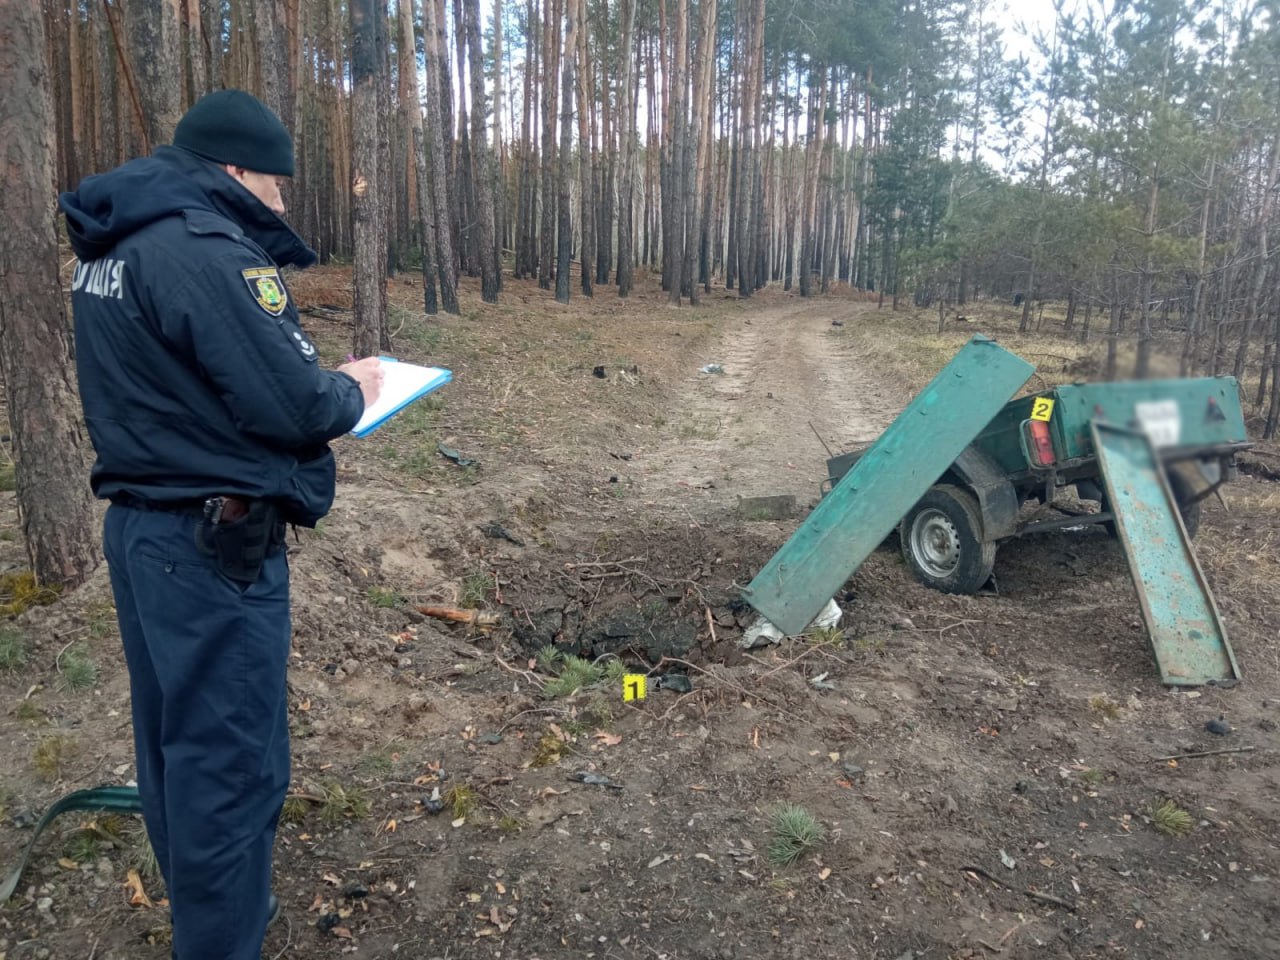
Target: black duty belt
(221, 508)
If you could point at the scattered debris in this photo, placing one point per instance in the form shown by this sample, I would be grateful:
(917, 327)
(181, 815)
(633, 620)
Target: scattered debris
(1007, 860)
(837, 323)
(594, 780)
(433, 804)
(497, 531)
(760, 634)
(1218, 726)
(712, 368)
(455, 456)
(820, 682)
(677, 682)
(828, 618)
(477, 618)
(622, 456)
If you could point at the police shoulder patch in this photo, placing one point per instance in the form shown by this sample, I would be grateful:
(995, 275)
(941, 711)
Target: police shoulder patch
(267, 289)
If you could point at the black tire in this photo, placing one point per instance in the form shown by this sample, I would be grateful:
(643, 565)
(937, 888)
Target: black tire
(1184, 495)
(942, 541)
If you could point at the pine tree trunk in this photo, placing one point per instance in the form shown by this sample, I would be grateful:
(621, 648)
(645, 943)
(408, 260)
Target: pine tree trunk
(413, 119)
(586, 173)
(564, 250)
(526, 234)
(404, 166)
(366, 208)
(699, 149)
(446, 263)
(1260, 263)
(675, 157)
(211, 27)
(550, 66)
(755, 191)
(817, 95)
(485, 251)
(49, 449)
(155, 46)
(450, 142)
(497, 150)
(626, 176)
(606, 176)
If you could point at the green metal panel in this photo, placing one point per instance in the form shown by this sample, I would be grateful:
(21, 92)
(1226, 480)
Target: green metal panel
(1187, 635)
(886, 482)
(1203, 411)
(1196, 412)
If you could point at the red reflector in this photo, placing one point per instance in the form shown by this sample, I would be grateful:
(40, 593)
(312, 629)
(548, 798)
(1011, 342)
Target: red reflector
(1041, 444)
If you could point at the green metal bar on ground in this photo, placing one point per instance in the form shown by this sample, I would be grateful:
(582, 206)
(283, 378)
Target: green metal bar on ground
(1187, 635)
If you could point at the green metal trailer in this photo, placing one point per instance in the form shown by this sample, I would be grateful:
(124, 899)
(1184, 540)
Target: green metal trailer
(1037, 446)
(955, 473)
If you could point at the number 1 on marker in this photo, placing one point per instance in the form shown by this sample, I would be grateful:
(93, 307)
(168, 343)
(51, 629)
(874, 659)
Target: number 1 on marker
(633, 685)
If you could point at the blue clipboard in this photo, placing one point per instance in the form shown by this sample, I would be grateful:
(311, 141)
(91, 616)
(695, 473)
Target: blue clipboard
(402, 384)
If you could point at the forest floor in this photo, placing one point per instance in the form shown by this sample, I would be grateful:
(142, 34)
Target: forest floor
(983, 767)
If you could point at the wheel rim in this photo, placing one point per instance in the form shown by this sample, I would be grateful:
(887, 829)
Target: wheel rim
(935, 544)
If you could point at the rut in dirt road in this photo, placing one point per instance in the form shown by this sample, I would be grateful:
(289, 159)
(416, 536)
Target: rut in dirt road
(750, 431)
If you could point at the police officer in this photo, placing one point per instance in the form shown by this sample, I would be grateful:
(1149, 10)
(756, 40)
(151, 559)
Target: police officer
(210, 415)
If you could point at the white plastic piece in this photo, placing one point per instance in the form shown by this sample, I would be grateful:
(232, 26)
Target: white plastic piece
(829, 617)
(760, 634)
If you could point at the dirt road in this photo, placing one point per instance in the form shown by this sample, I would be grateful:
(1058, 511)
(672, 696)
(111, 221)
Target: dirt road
(788, 387)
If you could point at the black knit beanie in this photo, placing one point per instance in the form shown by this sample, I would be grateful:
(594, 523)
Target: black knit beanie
(231, 126)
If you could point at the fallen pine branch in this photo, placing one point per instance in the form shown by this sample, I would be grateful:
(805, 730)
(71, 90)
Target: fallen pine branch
(1033, 894)
(1203, 753)
(1047, 898)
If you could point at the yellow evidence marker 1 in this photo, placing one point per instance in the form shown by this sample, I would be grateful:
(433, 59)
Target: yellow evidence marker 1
(633, 686)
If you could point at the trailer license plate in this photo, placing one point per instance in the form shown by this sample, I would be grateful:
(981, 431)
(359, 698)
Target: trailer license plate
(1160, 421)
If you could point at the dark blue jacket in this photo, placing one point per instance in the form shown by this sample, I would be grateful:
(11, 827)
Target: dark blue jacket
(195, 376)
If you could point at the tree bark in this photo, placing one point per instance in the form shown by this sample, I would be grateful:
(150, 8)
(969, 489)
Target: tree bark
(674, 153)
(626, 133)
(366, 189)
(49, 449)
(446, 263)
(418, 148)
(155, 46)
(485, 251)
(550, 66)
(1261, 262)
(586, 173)
(564, 248)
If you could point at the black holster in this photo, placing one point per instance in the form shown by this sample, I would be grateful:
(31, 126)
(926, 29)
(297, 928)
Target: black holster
(240, 547)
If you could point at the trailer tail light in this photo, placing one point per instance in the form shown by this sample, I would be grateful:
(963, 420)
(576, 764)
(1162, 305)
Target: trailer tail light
(1041, 445)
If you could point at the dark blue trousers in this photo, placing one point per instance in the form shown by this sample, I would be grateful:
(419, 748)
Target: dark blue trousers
(207, 660)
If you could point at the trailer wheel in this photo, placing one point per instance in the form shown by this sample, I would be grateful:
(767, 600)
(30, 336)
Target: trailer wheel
(1183, 494)
(942, 541)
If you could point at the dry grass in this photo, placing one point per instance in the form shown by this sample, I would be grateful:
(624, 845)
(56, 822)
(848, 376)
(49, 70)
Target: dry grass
(523, 368)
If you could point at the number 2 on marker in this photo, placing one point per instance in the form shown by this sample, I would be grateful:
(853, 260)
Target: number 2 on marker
(1042, 409)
